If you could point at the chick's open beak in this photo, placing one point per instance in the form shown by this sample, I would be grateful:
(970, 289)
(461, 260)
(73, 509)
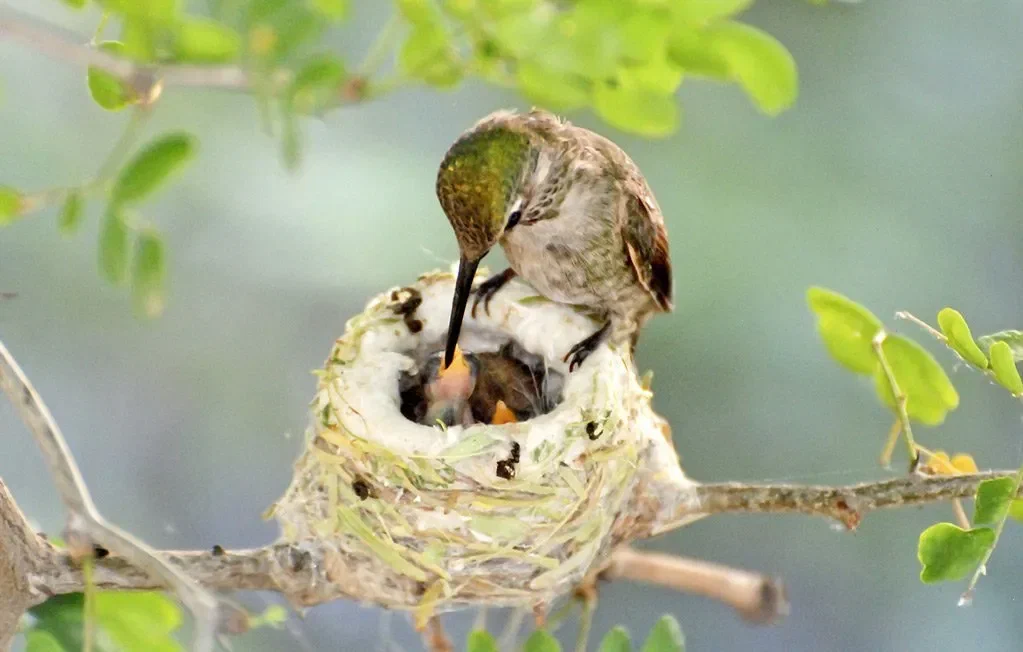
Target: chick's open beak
(463, 288)
(454, 381)
(502, 414)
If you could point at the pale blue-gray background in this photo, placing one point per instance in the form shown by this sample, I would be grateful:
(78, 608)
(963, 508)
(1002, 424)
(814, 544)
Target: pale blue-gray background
(895, 179)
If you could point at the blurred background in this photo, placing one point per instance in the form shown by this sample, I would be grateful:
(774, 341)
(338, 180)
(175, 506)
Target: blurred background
(895, 179)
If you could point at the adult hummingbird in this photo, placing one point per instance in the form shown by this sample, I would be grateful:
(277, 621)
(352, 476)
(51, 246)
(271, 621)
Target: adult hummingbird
(573, 213)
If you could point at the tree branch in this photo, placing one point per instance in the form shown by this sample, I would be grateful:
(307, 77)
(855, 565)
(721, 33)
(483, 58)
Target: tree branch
(846, 504)
(44, 38)
(85, 526)
(756, 597)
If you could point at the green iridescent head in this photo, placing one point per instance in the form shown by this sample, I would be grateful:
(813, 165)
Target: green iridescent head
(476, 183)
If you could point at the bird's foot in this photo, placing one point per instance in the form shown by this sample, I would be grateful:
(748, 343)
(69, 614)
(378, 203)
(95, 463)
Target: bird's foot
(578, 353)
(488, 288)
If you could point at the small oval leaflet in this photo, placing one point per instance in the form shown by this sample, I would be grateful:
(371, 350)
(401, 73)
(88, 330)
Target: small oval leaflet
(1004, 367)
(616, 640)
(481, 641)
(665, 636)
(113, 248)
(960, 340)
(929, 393)
(541, 641)
(993, 498)
(761, 65)
(847, 329)
(152, 166)
(948, 552)
(10, 205)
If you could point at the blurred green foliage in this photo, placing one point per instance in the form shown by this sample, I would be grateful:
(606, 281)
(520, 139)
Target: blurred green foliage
(624, 59)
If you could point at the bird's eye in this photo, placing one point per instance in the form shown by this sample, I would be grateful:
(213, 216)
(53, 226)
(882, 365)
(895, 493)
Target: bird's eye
(513, 219)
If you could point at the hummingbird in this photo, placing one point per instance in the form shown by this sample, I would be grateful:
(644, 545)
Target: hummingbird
(574, 215)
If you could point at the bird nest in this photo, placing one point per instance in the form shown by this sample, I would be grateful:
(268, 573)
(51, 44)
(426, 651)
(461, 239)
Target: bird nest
(429, 517)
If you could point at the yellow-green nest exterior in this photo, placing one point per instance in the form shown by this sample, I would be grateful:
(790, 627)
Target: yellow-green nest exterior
(419, 516)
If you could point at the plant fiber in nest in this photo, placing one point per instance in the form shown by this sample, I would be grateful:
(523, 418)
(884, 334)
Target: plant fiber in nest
(418, 515)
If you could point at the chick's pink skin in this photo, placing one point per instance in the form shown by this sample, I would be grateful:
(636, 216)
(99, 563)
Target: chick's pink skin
(447, 393)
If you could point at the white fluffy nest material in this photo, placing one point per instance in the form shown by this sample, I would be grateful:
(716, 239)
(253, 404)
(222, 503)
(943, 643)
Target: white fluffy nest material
(419, 517)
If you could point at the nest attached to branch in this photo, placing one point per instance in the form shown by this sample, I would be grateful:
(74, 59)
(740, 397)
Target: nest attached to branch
(427, 518)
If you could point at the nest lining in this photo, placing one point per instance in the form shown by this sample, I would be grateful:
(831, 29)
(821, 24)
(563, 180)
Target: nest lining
(421, 517)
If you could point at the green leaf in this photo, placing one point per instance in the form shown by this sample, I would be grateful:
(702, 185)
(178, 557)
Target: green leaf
(273, 616)
(152, 166)
(691, 49)
(552, 89)
(957, 332)
(1004, 367)
(758, 62)
(666, 636)
(75, 4)
(993, 498)
(421, 13)
(70, 215)
(703, 11)
(113, 247)
(428, 54)
(948, 552)
(847, 329)
(317, 84)
(336, 10)
(929, 393)
(1013, 338)
(10, 205)
(632, 104)
(124, 621)
(643, 35)
(40, 640)
(139, 621)
(541, 641)
(481, 641)
(616, 640)
(107, 90)
(1016, 509)
(203, 40)
(148, 275)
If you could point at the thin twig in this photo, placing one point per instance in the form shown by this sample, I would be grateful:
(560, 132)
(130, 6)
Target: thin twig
(47, 39)
(85, 526)
(758, 598)
(900, 399)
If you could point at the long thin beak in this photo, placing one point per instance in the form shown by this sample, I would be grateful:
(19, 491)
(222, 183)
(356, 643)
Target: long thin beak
(463, 287)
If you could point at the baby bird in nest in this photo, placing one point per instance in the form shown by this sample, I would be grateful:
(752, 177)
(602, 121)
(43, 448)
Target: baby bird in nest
(486, 387)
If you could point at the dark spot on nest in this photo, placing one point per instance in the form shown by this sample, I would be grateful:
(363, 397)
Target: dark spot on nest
(506, 468)
(218, 551)
(298, 560)
(362, 488)
(420, 588)
(99, 552)
(406, 307)
(591, 431)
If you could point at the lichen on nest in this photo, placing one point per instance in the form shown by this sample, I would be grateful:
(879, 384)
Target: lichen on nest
(429, 518)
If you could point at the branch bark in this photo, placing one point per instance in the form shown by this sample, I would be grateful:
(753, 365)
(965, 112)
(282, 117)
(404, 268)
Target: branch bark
(85, 526)
(304, 573)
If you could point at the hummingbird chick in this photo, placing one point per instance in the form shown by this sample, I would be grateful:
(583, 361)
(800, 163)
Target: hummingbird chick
(574, 216)
(447, 388)
(507, 390)
(488, 387)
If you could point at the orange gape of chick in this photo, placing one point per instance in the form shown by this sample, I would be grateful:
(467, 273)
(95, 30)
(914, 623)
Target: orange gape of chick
(494, 388)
